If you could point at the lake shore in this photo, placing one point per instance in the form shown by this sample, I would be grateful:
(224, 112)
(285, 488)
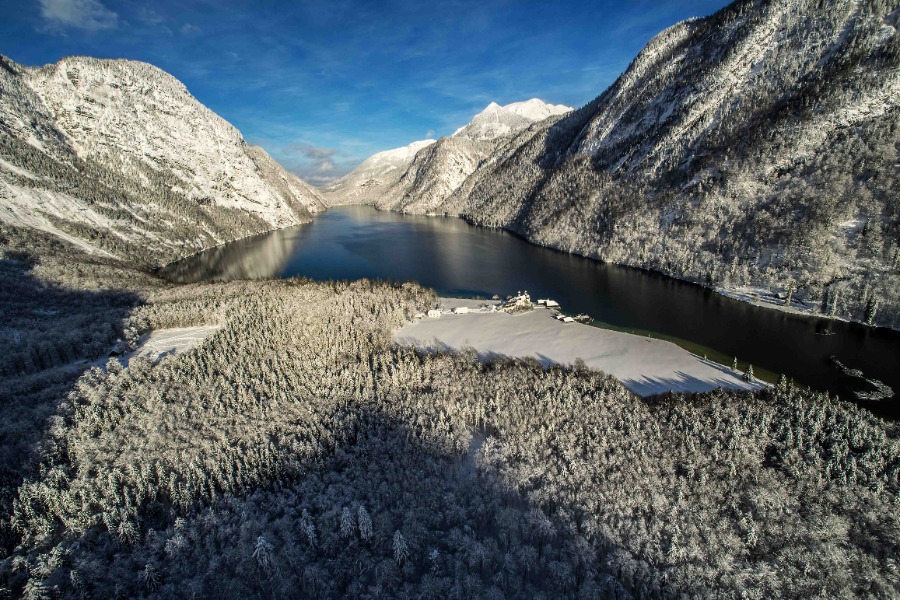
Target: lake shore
(646, 366)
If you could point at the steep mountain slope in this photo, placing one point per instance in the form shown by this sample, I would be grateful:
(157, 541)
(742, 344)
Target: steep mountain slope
(434, 173)
(755, 147)
(117, 156)
(420, 177)
(439, 170)
(370, 180)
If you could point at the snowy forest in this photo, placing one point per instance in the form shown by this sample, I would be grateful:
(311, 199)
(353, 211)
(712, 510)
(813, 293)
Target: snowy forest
(298, 452)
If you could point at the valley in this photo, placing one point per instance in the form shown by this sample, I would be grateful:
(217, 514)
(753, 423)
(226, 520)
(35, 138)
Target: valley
(220, 381)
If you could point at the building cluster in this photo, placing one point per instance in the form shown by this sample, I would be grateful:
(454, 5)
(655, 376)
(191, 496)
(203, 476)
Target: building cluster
(520, 302)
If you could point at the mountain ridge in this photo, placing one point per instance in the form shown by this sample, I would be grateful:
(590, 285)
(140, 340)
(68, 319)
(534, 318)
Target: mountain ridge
(116, 155)
(422, 180)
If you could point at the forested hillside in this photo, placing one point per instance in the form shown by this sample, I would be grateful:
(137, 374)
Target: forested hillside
(755, 147)
(299, 452)
(117, 157)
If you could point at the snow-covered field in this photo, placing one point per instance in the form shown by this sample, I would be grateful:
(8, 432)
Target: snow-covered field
(163, 342)
(645, 366)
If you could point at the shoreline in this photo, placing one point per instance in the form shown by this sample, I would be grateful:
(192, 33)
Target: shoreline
(740, 294)
(156, 270)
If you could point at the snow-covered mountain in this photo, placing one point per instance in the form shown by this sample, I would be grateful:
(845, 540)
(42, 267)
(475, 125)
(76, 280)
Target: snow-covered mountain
(496, 121)
(755, 149)
(117, 156)
(419, 177)
(371, 179)
(435, 173)
(537, 110)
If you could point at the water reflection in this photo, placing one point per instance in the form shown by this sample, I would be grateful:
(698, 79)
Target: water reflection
(251, 258)
(456, 258)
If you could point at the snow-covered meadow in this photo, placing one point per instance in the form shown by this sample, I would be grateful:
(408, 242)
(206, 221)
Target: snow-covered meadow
(646, 366)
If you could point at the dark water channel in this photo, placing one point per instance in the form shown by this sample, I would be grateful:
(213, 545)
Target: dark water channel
(455, 258)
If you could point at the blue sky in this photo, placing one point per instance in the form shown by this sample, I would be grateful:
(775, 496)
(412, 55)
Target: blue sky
(323, 84)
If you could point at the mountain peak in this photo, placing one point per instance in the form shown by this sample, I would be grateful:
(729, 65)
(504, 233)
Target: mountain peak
(536, 109)
(170, 156)
(497, 121)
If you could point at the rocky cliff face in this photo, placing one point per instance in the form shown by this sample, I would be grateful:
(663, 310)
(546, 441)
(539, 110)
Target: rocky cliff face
(118, 157)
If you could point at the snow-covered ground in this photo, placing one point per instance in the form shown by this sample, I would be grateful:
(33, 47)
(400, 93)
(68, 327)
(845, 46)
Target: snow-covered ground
(759, 296)
(645, 366)
(164, 342)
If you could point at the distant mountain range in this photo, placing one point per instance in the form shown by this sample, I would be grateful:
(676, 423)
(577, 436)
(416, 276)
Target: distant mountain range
(421, 176)
(755, 149)
(118, 157)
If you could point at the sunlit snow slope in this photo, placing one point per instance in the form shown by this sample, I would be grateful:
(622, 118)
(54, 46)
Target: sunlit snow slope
(119, 157)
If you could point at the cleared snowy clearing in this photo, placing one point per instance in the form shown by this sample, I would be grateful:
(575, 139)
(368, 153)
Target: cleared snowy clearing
(645, 366)
(164, 342)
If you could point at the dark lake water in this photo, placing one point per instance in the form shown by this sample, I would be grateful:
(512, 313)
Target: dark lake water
(456, 258)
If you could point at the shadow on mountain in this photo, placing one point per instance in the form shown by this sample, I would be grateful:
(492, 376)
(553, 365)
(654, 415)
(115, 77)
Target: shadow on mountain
(50, 336)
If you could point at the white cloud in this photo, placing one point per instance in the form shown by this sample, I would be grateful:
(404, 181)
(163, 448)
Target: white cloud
(89, 15)
(188, 29)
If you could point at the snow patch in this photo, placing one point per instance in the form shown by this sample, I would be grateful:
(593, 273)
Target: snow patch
(29, 207)
(537, 110)
(164, 342)
(16, 170)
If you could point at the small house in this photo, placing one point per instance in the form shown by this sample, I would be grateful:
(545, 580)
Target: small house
(434, 314)
(461, 310)
(552, 304)
(542, 302)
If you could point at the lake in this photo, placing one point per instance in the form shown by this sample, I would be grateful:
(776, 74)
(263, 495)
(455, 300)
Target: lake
(458, 259)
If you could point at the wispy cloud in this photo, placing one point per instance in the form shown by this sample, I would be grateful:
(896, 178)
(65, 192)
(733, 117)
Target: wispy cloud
(149, 16)
(189, 29)
(88, 15)
(317, 165)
